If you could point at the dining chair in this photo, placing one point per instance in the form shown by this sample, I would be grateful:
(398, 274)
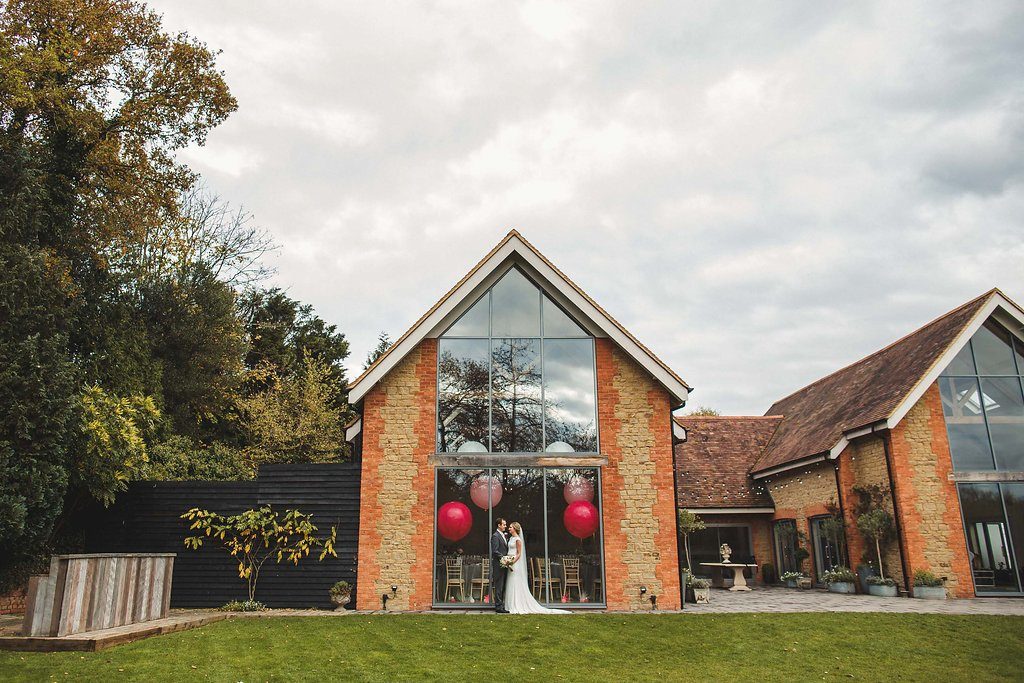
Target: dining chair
(571, 571)
(543, 575)
(484, 580)
(453, 577)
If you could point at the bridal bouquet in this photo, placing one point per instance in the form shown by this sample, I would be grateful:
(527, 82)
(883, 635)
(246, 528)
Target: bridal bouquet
(507, 561)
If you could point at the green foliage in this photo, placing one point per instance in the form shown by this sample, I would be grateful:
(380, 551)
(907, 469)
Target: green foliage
(880, 581)
(703, 411)
(791, 576)
(383, 344)
(179, 458)
(113, 447)
(295, 418)
(688, 523)
(255, 536)
(244, 606)
(768, 574)
(874, 521)
(340, 588)
(839, 575)
(923, 577)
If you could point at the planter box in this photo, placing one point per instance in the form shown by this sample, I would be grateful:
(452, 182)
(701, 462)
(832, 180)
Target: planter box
(702, 595)
(791, 583)
(882, 591)
(841, 587)
(863, 572)
(930, 592)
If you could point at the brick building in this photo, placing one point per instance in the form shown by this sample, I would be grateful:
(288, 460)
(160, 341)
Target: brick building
(934, 422)
(517, 396)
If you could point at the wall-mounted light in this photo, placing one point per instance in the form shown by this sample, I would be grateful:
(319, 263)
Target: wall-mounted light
(384, 597)
(643, 591)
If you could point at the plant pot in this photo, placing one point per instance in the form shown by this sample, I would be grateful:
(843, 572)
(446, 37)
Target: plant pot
(341, 600)
(930, 592)
(702, 595)
(882, 591)
(790, 583)
(841, 587)
(864, 572)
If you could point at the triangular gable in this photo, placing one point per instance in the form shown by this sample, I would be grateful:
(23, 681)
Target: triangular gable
(513, 250)
(820, 419)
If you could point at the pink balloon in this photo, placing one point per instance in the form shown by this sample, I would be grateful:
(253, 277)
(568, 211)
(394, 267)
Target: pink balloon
(454, 520)
(581, 519)
(480, 488)
(578, 488)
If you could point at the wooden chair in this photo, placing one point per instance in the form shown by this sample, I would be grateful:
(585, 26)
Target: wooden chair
(541, 576)
(453, 577)
(484, 580)
(598, 595)
(571, 567)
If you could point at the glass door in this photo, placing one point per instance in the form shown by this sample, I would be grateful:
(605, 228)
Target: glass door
(828, 548)
(991, 535)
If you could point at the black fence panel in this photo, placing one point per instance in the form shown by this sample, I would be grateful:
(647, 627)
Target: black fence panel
(147, 518)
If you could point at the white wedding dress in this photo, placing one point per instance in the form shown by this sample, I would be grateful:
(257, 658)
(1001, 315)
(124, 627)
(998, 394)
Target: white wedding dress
(518, 599)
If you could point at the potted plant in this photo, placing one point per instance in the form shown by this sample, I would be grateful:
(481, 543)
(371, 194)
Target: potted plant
(927, 586)
(840, 580)
(865, 570)
(882, 587)
(701, 590)
(768, 573)
(875, 524)
(689, 523)
(341, 594)
(791, 578)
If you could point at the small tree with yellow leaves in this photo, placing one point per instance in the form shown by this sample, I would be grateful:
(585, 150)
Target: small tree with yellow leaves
(255, 536)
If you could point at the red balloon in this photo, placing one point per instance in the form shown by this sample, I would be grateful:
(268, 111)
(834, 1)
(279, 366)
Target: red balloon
(478, 491)
(581, 519)
(454, 520)
(578, 488)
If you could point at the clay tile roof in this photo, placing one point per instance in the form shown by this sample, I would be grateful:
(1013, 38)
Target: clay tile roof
(860, 394)
(713, 464)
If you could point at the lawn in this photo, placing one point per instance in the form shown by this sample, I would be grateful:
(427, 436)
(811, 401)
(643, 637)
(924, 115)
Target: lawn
(736, 647)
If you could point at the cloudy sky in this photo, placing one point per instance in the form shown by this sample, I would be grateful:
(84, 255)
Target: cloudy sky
(761, 192)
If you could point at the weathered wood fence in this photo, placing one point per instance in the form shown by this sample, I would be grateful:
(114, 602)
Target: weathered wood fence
(92, 592)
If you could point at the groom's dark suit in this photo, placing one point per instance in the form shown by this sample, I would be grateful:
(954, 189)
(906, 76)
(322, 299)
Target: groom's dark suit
(499, 548)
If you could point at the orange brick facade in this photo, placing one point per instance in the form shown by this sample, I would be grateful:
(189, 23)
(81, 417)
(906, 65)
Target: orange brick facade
(638, 488)
(397, 488)
(926, 499)
(802, 494)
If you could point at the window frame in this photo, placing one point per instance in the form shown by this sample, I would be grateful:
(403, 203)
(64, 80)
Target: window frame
(490, 338)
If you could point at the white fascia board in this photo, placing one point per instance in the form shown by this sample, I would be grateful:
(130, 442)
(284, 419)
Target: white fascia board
(565, 294)
(678, 431)
(353, 430)
(731, 511)
(1003, 310)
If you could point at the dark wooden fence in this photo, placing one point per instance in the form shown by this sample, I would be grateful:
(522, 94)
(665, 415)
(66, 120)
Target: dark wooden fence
(146, 518)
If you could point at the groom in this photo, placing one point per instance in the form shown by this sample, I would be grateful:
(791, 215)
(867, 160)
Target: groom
(499, 548)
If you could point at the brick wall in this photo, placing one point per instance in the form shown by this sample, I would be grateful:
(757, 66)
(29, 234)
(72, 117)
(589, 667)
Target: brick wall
(13, 602)
(926, 499)
(638, 484)
(863, 462)
(397, 487)
(802, 494)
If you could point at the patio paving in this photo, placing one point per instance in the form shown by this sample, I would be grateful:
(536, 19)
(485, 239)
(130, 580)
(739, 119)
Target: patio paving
(779, 600)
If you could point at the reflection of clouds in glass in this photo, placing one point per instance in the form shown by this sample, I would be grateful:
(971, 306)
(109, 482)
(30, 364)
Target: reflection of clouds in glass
(515, 307)
(570, 403)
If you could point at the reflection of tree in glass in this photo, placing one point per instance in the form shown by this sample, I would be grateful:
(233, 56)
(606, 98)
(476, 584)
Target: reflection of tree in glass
(581, 436)
(463, 401)
(516, 409)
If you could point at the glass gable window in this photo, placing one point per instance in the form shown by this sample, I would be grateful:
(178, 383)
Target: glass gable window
(516, 375)
(983, 402)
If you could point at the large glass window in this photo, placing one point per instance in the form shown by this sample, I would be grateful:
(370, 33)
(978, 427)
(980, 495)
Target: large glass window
(994, 523)
(705, 546)
(516, 375)
(983, 402)
(786, 541)
(559, 510)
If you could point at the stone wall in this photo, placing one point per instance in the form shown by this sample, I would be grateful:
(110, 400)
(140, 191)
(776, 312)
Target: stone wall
(638, 494)
(926, 499)
(801, 494)
(864, 462)
(397, 487)
(13, 602)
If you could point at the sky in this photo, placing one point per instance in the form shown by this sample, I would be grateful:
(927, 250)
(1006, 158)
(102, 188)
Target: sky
(761, 192)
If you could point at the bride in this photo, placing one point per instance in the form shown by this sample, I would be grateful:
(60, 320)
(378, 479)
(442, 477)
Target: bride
(518, 599)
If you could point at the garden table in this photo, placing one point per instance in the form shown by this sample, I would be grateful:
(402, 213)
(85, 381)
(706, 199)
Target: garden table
(739, 582)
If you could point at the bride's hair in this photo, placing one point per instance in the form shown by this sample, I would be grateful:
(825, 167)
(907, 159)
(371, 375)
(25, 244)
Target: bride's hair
(519, 529)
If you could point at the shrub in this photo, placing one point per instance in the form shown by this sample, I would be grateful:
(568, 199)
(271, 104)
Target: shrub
(340, 588)
(700, 583)
(244, 606)
(923, 577)
(880, 581)
(791, 576)
(839, 575)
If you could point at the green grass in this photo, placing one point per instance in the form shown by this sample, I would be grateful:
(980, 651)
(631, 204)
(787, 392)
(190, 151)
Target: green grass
(735, 647)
